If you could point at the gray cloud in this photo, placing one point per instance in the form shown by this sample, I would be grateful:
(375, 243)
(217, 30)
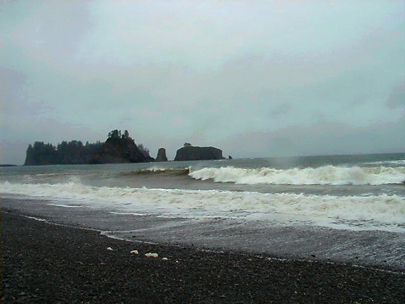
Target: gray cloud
(397, 98)
(320, 138)
(283, 77)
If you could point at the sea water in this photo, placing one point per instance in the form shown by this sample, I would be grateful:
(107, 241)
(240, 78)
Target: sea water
(355, 192)
(348, 208)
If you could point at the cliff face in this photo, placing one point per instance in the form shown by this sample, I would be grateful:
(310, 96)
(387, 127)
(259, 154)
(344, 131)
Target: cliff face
(161, 156)
(198, 153)
(119, 150)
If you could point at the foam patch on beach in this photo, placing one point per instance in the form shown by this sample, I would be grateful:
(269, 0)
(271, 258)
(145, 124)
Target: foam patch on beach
(326, 175)
(378, 212)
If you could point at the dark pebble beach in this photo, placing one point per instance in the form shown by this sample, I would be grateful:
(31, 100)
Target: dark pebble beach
(46, 263)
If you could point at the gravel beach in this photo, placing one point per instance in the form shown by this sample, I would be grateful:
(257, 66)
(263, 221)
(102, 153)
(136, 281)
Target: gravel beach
(46, 263)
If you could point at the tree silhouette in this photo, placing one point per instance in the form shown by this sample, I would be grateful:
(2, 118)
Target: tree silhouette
(126, 134)
(114, 134)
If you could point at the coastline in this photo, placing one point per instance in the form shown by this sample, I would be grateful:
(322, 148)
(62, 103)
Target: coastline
(58, 264)
(372, 249)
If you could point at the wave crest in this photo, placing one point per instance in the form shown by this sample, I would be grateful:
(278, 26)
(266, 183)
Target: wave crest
(326, 175)
(158, 171)
(381, 212)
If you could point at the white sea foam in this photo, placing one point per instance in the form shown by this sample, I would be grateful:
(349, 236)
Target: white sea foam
(327, 175)
(128, 213)
(383, 212)
(400, 162)
(65, 206)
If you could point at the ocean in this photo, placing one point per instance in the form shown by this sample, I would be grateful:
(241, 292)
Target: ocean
(286, 206)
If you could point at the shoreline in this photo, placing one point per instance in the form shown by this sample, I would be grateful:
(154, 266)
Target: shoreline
(218, 250)
(58, 264)
(372, 249)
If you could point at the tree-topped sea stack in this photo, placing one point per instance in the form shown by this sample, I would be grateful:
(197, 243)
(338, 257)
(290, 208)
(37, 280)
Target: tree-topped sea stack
(189, 152)
(117, 149)
(120, 149)
(72, 152)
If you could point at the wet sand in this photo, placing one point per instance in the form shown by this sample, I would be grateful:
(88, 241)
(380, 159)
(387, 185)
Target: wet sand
(45, 263)
(380, 249)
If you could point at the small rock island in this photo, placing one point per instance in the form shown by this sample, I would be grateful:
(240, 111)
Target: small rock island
(161, 156)
(189, 152)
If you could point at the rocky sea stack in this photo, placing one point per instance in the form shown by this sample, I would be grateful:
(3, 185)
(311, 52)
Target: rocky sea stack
(189, 152)
(119, 149)
(161, 156)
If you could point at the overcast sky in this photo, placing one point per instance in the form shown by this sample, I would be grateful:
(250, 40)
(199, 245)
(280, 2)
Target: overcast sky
(253, 78)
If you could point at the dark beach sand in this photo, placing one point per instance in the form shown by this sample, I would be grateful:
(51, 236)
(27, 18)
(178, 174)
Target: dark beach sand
(44, 263)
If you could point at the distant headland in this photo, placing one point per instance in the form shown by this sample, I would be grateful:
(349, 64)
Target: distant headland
(118, 148)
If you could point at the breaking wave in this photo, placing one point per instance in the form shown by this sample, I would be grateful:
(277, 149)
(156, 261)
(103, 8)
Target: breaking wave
(393, 163)
(326, 175)
(374, 212)
(158, 171)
